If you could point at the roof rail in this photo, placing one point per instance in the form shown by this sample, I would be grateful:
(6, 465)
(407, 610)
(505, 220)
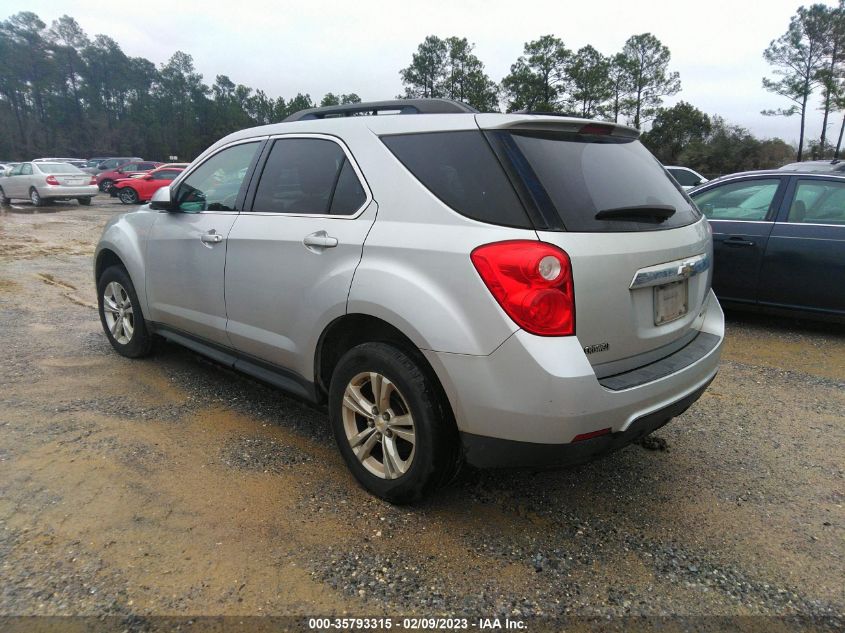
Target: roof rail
(404, 106)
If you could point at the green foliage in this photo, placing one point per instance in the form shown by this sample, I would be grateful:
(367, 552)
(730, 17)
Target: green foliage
(449, 69)
(590, 83)
(646, 60)
(798, 60)
(676, 129)
(537, 81)
(63, 93)
(730, 148)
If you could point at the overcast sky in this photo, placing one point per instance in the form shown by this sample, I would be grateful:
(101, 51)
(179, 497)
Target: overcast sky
(359, 45)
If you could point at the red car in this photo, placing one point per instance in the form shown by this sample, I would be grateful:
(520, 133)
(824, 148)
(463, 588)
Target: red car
(105, 179)
(141, 188)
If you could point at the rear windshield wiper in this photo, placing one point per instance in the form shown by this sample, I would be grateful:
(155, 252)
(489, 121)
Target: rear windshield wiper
(639, 213)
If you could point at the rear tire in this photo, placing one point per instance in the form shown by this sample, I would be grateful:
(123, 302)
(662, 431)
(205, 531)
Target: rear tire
(4, 201)
(120, 314)
(35, 198)
(84, 201)
(391, 423)
(127, 195)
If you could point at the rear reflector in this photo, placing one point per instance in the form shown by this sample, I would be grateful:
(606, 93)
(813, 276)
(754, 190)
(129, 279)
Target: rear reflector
(591, 435)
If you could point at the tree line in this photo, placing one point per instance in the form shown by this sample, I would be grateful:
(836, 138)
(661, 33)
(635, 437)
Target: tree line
(810, 57)
(64, 93)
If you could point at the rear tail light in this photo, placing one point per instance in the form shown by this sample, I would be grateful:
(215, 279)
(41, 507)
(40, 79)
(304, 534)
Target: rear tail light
(93, 180)
(532, 281)
(51, 180)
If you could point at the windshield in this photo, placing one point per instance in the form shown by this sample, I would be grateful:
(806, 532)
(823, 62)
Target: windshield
(579, 176)
(58, 168)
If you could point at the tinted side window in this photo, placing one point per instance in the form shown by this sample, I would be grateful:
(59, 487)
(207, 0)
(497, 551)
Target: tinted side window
(348, 195)
(214, 185)
(26, 169)
(818, 202)
(165, 175)
(747, 200)
(303, 175)
(462, 171)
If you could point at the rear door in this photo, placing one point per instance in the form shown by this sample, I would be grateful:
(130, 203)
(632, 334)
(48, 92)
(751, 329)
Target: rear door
(12, 183)
(804, 263)
(741, 213)
(292, 256)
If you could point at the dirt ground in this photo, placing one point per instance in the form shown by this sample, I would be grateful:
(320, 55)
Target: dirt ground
(172, 486)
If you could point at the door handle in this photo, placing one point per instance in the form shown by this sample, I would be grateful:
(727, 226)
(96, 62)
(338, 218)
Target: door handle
(738, 241)
(212, 237)
(319, 240)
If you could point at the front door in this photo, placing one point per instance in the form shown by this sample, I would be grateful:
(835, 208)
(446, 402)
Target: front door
(740, 213)
(186, 248)
(291, 258)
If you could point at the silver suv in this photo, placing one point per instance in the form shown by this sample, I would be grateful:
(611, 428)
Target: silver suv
(497, 289)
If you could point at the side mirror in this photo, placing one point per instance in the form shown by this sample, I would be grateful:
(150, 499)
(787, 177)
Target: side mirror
(161, 200)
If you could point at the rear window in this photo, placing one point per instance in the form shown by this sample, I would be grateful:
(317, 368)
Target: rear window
(58, 168)
(583, 175)
(462, 171)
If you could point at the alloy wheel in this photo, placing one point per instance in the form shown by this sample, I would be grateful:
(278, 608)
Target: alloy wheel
(379, 425)
(118, 311)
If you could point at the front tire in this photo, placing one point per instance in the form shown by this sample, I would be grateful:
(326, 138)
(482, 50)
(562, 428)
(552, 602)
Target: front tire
(4, 201)
(120, 314)
(391, 423)
(106, 184)
(128, 195)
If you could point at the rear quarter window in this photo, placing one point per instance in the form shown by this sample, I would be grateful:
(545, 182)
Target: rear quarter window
(462, 171)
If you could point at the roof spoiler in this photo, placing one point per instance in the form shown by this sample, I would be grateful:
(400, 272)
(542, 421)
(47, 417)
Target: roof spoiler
(399, 106)
(554, 122)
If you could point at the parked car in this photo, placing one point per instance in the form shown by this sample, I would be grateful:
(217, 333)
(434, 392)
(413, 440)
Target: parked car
(57, 160)
(779, 241)
(816, 165)
(42, 182)
(108, 164)
(527, 289)
(686, 177)
(141, 188)
(107, 177)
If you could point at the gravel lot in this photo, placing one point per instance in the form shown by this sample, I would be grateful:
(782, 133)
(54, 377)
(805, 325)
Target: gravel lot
(172, 486)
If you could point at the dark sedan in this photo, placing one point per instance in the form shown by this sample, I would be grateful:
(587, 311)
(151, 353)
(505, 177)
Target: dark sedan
(778, 240)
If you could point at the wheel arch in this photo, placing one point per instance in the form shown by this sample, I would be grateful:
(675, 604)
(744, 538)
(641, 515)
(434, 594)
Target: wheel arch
(353, 329)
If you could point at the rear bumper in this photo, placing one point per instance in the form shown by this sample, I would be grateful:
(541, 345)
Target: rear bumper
(492, 452)
(83, 191)
(544, 392)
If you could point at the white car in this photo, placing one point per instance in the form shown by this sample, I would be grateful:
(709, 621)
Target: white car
(686, 177)
(41, 182)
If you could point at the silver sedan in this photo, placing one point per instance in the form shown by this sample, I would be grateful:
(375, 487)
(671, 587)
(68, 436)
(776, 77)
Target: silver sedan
(42, 182)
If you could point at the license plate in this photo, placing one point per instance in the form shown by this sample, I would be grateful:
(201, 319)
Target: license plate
(74, 181)
(670, 301)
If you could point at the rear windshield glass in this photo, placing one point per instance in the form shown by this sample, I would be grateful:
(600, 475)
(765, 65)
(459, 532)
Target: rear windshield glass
(584, 175)
(58, 168)
(461, 170)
